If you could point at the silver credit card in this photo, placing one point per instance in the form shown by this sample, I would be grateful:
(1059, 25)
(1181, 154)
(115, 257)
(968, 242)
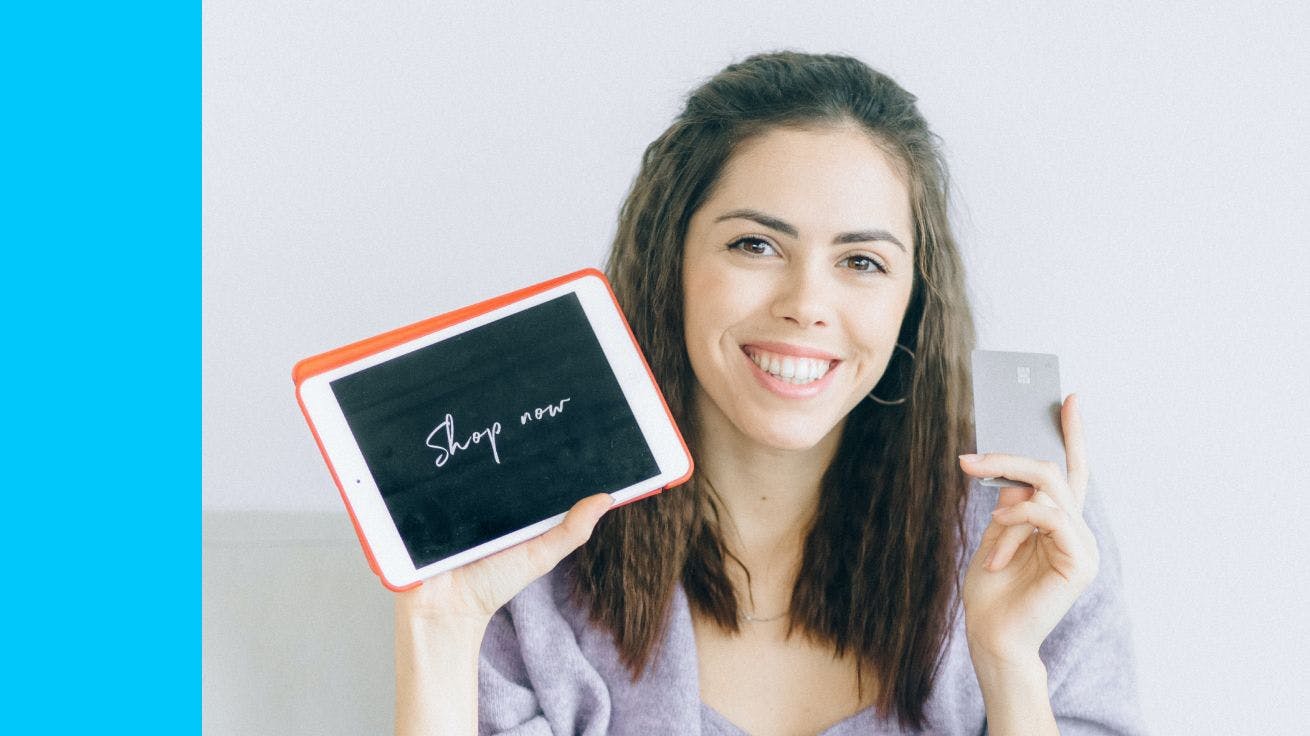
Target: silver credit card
(1016, 407)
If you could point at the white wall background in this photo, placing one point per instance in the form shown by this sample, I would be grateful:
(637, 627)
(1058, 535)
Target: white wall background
(1132, 186)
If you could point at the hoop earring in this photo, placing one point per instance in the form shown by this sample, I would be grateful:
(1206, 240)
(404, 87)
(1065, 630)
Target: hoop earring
(903, 399)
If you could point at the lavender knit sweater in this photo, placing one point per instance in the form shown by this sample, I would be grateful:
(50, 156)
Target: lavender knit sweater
(545, 670)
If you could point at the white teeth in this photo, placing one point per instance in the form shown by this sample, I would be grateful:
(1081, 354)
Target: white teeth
(790, 369)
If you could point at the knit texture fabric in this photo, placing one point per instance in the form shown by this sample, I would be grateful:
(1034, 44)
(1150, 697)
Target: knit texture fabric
(545, 670)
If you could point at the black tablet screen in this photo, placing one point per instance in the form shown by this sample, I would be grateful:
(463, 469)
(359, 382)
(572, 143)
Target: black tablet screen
(494, 429)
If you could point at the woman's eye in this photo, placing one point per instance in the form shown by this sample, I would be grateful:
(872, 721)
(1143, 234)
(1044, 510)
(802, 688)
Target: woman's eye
(865, 263)
(752, 246)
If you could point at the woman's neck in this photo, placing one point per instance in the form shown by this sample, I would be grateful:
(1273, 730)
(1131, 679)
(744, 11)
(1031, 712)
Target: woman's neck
(769, 496)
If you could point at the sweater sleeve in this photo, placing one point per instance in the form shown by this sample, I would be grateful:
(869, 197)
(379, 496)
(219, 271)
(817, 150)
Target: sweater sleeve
(532, 677)
(1091, 671)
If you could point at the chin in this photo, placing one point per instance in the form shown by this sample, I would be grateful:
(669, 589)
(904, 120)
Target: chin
(805, 435)
(789, 444)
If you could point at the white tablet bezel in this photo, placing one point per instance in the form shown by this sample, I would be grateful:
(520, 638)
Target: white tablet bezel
(361, 491)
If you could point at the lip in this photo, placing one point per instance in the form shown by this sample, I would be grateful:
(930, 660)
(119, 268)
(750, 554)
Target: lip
(795, 351)
(790, 390)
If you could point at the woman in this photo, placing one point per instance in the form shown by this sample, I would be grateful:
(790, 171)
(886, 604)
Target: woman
(786, 263)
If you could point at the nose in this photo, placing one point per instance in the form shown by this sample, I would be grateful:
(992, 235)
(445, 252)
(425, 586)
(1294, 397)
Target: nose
(804, 297)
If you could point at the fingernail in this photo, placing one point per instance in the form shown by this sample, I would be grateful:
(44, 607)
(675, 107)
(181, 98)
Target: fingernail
(998, 512)
(970, 458)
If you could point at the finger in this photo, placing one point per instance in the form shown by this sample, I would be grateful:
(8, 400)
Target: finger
(543, 553)
(997, 536)
(1007, 543)
(1006, 496)
(1010, 495)
(1046, 516)
(501, 576)
(1075, 450)
(1042, 475)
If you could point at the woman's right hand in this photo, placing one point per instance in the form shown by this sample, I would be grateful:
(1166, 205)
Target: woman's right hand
(448, 615)
(473, 592)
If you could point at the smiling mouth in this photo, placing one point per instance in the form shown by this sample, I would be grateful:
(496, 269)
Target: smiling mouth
(789, 368)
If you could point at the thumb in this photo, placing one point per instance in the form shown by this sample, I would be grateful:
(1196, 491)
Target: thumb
(493, 580)
(542, 554)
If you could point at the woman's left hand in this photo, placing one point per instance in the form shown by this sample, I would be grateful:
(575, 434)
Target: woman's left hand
(1037, 555)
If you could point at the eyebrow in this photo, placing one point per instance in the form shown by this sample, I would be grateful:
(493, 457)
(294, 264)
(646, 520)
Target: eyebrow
(773, 223)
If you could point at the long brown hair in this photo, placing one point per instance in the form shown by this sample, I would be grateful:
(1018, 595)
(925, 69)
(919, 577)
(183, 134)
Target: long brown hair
(880, 570)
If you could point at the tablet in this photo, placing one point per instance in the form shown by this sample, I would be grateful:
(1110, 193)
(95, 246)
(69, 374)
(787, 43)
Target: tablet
(461, 435)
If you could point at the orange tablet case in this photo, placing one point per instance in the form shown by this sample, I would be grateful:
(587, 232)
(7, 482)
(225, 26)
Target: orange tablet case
(323, 362)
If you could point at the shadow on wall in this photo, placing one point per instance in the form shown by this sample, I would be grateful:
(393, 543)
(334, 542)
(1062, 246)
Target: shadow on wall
(297, 631)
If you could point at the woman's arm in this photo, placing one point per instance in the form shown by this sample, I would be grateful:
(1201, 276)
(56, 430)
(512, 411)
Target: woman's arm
(440, 625)
(1014, 694)
(436, 673)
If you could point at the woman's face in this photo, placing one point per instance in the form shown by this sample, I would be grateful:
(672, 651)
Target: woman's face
(797, 272)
